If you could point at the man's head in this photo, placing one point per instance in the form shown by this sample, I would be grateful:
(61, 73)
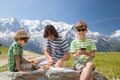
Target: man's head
(50, 32)
(21, 36)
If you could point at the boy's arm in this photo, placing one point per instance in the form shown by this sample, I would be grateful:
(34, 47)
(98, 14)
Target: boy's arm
(66, 56)
(46, 53)
(78, 53)
(60, 61)
(27, 60)
(90, 54)
(18, 66)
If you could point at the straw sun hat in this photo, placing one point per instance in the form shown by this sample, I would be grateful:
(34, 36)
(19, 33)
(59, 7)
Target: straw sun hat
(21, 33)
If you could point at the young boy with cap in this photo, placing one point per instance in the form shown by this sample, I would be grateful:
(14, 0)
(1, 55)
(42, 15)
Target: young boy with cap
(16, 61)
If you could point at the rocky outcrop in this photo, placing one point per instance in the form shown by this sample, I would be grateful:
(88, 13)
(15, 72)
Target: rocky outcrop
(51, 74)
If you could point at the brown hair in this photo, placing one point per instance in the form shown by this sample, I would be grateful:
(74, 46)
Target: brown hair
(81, 25)
(50, 29)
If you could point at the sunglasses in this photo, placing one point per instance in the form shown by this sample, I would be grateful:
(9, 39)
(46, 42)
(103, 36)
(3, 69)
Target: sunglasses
(81, 30)
(25, 40)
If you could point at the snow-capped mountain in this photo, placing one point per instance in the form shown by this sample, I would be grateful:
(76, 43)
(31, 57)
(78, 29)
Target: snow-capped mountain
(8, 27)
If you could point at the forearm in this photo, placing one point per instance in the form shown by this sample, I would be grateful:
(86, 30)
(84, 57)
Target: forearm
(66, 56)
(60, 61)
(76, 55)
(18, 66)
(27, 60)
(90, 54)
(47, 55)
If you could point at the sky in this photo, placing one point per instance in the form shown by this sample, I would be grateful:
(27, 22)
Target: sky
(101, 16)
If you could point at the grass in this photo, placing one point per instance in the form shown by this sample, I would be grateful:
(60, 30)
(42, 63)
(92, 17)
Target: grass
(4, 68)
(3, 51)
(107, 63)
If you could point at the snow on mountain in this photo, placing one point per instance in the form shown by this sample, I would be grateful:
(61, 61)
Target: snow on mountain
(8, 27)
(116, 35)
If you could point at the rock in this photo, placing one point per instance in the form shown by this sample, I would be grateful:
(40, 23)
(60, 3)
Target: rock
(51, 74)
(31, 75)
(99, 76)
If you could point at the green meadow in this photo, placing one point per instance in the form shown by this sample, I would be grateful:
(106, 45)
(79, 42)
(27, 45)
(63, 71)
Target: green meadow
(3, 52)
(107, 63)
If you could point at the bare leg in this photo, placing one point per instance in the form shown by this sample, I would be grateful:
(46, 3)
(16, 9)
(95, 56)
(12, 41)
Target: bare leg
(91, 77)
(87, 71)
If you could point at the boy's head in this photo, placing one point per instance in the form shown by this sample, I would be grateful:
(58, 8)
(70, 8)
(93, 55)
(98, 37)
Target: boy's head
(81, 26)
(21, 35)
(50, 30)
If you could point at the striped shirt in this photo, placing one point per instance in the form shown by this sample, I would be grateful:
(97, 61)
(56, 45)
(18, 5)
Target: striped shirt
(57, 48)
(15, 49)
(78, 44)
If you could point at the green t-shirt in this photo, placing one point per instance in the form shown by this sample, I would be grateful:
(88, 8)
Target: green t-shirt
(15, 49)
(78, 44)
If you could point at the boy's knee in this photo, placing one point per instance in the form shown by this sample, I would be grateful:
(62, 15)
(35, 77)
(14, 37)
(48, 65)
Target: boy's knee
(90, 64)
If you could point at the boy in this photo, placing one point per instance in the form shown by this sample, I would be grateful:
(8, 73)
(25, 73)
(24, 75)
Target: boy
(56, 49)
(83, 50)
(16, 62)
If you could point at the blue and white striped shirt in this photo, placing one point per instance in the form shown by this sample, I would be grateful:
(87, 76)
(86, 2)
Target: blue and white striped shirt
(57, 48)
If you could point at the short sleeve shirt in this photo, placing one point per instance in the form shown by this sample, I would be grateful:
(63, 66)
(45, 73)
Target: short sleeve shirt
(57, 48)
(15, 49)
(77, 44)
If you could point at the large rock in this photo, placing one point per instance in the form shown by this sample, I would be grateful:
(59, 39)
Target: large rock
(52, 74)
(31, 75)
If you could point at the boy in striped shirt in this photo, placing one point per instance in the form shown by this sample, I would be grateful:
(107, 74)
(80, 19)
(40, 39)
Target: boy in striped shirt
(83, 50)
(56, 49)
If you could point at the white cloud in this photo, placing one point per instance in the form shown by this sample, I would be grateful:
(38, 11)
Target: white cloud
(93, 33)
(116, 34)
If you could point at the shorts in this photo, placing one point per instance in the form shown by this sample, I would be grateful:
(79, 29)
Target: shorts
(41, 61)
(25, 66)
(79, 66)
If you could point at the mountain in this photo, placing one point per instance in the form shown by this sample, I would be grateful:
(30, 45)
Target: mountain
(8, 27)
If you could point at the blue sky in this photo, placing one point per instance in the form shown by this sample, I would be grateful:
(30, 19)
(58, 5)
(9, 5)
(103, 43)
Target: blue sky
(102, 16)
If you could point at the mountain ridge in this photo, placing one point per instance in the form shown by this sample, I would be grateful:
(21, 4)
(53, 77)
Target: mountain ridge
(35, 29)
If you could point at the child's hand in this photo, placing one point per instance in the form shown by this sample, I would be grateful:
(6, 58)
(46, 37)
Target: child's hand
(59, 63)
(51, 61)
(83, 50)
(33, 61)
